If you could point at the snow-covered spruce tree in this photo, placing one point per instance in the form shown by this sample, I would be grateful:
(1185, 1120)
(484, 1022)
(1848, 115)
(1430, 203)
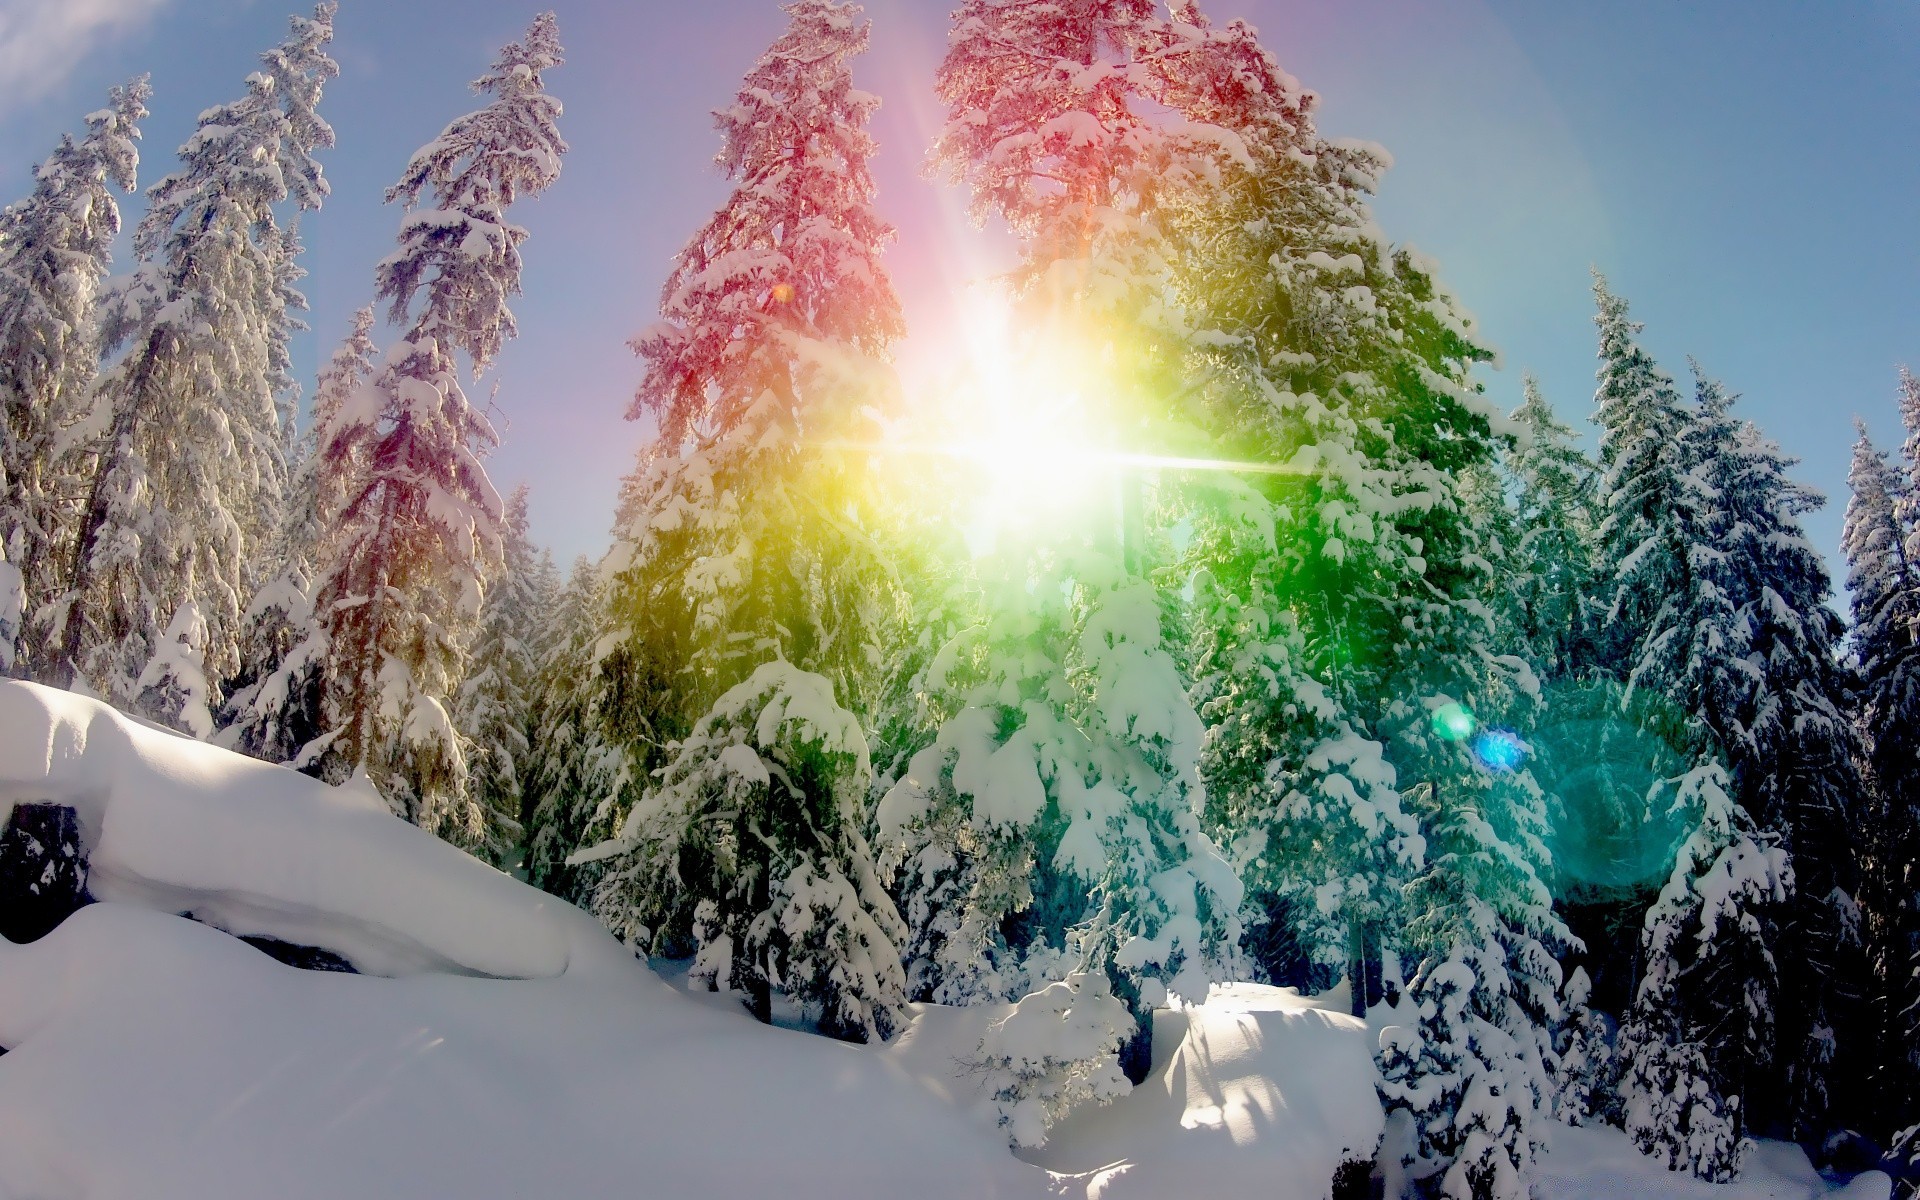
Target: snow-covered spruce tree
(1332, 358)
(757, 817)
(748, 582)
(1653, 513)
(1339, 360)
(190, 462)
(1048, 826)
(1457, 1074)
(1885, 595)
(1684, 605)
(13, 604)
(1057, 1049)
(400, 579)
(274, 704)
(1555, 483)
(52, 261)
(1071, 747)
(1473, 1074)
(1586, 1082)
(1688, 1047)
(575, 775)
(1792, 752)
(495, 700)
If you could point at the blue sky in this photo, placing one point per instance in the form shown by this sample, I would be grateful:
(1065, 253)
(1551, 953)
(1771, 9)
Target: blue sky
(1745, 173)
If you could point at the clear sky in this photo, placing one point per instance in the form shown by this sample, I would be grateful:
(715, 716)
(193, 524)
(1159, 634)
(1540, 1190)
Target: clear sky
(1745, 173)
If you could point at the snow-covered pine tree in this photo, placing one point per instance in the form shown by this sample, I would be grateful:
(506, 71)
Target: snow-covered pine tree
(1885, 595)
(1338, 359)
(1474, 1076)
(748, 582)
(494, 704)
(273, 708)
(1586, 1085)
(575, 774)
(52, 261)
(1555, 482)
(190, 458)
(1792, 752)
(1070, 752)
(757, 820)
(1051, 824)
(401, 577)
(1694, 532)
(1332, 357)
(1652, 511)
(13, 604)
(1703, 1015)
(1057, 1049)
(1460, 1074)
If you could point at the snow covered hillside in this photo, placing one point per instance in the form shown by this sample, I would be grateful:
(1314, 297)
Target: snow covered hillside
(500, 1044)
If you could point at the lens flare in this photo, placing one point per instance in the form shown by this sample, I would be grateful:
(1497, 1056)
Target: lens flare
(1499, 750)
(1031, 415)
(1027, 416)
(1453, 723)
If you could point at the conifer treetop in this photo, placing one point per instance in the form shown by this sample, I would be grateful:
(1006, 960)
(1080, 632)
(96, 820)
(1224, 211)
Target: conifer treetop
(456, 244)
(1043, 102)
(793, 256)
(254, 152)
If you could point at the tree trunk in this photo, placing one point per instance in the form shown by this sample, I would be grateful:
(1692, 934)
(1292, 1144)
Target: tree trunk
(126, 423)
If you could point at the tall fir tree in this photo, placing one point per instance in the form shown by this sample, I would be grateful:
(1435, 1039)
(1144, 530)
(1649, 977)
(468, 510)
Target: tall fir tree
(1714, 607)
(576, 773)
(494, 705)
(1885, 595)
(190, 462)
(1064, 776)
(273, 707)
(1652, 512)
(1356, 564)
(1793, 751)
(402, 576)
(52, 263)
(1555, 483)
(747, 577)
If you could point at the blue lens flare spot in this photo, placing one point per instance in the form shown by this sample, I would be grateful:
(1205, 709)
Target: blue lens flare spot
(1453, 722)
(1499, 751)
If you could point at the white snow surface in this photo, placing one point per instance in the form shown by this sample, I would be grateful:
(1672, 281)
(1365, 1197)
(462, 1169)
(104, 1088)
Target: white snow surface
(508, 1047)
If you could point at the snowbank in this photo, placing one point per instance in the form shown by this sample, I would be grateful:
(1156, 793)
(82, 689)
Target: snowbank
(1600, 1164)
(1259, 1094)
(517, 1050)
(157, 1059)
(177, 825)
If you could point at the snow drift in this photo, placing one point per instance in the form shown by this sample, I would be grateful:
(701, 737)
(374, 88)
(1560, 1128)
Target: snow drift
(254, 848)
(508, 1047)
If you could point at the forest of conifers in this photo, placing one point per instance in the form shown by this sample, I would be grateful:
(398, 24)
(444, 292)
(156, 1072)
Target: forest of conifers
(1208, 622)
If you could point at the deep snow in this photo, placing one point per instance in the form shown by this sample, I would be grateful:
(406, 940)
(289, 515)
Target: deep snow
(505, 1046)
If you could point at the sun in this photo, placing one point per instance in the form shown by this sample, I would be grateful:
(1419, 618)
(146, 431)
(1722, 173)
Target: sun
(1024, 413)
(1018, 424)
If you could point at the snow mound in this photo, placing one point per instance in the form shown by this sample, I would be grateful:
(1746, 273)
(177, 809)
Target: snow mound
(1257, 1092)
(153, 1058)
(518, 1050)
(1601, 1164)
(179, 826)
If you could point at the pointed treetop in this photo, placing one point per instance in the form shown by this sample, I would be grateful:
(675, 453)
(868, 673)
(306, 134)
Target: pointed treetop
(457, 244)
(793, 255)
(256, 151)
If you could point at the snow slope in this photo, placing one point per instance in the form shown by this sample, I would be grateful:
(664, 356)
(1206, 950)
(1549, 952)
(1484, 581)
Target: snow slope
(510, 1048)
